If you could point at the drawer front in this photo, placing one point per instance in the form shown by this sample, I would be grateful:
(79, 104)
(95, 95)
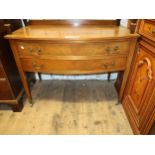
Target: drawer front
(73, 66)
(147, 29)
(5, 90)
(28, 49)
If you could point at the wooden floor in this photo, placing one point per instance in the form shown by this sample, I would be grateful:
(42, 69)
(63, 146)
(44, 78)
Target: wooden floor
(68, 107)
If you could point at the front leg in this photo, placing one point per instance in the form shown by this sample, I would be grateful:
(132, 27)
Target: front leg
(20, 69)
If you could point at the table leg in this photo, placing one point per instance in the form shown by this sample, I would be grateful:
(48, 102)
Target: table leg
(109, 75)
(26, 86)
(20, 69)
(39, 75)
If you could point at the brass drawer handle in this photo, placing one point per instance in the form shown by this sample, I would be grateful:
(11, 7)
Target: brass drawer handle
(38, 51)
(2, 79)
(37, 66)
(108, 50)
(30, 50)
(116, 48)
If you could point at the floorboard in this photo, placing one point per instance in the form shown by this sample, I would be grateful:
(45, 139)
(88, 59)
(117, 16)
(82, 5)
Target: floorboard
(87, 107)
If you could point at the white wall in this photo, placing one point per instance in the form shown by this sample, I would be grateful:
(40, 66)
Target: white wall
(79, 77)
(124, 22)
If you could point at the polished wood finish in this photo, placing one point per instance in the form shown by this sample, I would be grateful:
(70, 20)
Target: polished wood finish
(147, 29)
(44, 49)
(139, 96)
(22, 74)
(76, 22)
(72, 49)
(71, 34)
(87, 66)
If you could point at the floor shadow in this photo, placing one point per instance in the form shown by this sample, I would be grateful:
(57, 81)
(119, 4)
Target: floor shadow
(75, 90)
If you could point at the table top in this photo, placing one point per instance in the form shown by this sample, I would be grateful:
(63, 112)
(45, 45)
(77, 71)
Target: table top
(48, 32)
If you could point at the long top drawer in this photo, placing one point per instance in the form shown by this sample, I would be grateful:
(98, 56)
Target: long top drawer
(31, 48)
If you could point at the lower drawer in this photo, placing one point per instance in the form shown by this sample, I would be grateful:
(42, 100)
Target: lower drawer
(5, 90)
(74, 66)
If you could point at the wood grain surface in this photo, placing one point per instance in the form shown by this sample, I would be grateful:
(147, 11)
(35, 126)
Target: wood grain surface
(68, 107)
(47, 32)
